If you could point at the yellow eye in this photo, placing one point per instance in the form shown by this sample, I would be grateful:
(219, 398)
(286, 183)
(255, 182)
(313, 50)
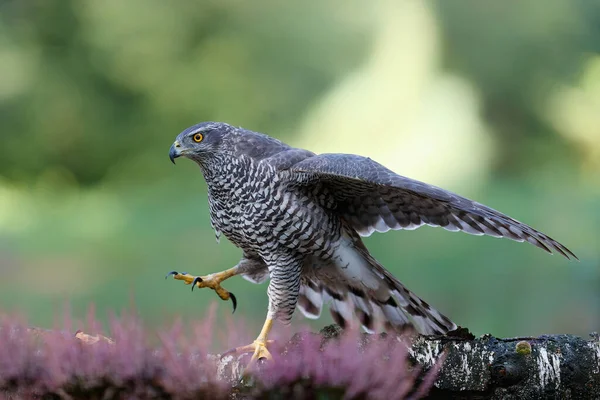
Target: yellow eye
(198, 137)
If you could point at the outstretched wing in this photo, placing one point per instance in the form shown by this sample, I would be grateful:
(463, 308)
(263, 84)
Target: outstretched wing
(372, 198)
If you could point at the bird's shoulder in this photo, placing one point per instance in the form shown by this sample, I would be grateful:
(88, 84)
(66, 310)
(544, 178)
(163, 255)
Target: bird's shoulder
(302, 165)
(266, 149)
(358, 170)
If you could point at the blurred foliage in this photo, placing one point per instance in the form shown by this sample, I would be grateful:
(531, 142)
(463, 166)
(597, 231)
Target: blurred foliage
(48, 364)
(90, 83)
(516, 54)
(93, 93)
(100, 82)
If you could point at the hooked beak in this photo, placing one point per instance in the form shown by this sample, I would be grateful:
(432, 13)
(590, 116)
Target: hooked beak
(174, 151)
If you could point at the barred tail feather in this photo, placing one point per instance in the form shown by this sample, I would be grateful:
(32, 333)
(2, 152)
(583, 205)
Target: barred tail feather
(402, 307)
(342, 312)
(310, 299)
(344, 306)
(360, 290)
(349, 305)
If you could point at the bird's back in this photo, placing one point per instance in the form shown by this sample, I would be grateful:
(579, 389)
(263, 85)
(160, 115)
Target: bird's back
(265, 149)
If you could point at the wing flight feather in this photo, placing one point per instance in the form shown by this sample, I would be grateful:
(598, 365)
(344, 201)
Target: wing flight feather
(373, 198)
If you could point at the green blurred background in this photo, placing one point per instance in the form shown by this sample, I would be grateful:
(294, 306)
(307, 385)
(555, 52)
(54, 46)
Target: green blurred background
(498, 101)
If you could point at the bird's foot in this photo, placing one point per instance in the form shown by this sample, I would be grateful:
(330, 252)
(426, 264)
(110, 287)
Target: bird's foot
(258, 348)
(212, 281)
(260, 354)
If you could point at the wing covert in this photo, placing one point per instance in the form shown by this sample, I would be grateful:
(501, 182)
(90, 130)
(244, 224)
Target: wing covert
(373, 198)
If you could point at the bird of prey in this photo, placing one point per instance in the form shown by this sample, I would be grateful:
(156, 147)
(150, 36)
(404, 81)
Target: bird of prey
(298, 217)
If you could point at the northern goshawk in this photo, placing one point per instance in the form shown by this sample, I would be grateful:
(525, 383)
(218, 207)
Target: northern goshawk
(298, 218)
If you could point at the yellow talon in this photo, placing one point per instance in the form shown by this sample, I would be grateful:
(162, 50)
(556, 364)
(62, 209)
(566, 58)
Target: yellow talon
(212, 281)
(258, 348)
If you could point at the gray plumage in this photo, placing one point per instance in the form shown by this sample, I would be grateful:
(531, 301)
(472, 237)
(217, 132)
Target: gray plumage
(298, 218)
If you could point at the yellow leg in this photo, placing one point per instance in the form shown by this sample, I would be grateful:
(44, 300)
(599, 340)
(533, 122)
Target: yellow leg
(259, 346)
(212, 281)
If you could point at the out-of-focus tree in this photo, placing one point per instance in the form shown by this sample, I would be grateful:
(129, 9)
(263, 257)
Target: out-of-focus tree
(517, 53)
(92, 94)
(87, 84)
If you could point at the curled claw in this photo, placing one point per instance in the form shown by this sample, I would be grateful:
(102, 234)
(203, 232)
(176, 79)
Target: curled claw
(196, 280)
(234, 301)
(229, 352)
(171, 273)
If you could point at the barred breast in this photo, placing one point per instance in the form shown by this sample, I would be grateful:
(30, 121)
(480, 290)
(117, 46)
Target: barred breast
(258, 211)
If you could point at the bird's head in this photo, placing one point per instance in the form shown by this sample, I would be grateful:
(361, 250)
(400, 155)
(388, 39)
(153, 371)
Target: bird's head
(200, 142)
